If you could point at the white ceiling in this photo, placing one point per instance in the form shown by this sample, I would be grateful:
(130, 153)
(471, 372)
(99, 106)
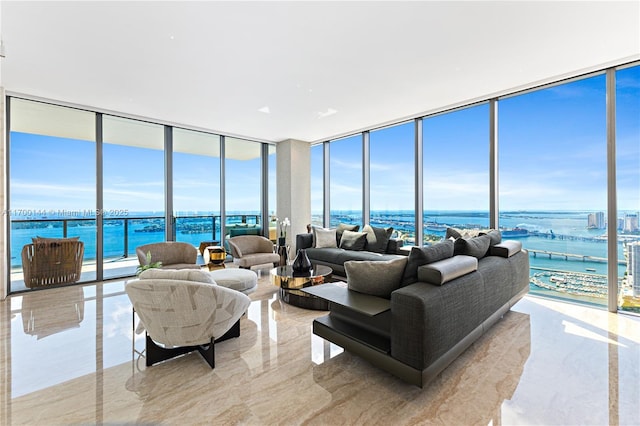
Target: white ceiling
(215, 65)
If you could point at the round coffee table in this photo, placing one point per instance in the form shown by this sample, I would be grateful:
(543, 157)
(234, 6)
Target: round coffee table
(291, 282)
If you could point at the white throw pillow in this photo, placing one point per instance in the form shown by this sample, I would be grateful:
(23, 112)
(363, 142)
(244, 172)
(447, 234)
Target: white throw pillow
(324, 238)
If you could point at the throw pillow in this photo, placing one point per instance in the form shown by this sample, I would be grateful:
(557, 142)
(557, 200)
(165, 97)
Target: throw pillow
(456, 233)
(422, 255)
(377, 238)
(496, 236)
(344, 227)
(375, 278)
(324, 238)
(353, 240)
(452, 234)
(476, 247)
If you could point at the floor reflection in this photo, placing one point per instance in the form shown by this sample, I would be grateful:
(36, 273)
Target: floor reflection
(69, 355)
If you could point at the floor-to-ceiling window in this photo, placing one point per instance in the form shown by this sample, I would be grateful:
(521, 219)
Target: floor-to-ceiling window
(273, 192)
(391, 179)
(133, 182)
(455, 171)
(553, 185)
(317, 184)
(52, 185)
(628, 184)
(73, 169)
(243, 177)
(345, 188)
(196, 186)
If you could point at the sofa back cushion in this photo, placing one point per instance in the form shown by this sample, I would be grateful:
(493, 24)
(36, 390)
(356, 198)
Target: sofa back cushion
(377, 278)
(353, 240)
(377, 238)
(422, 255)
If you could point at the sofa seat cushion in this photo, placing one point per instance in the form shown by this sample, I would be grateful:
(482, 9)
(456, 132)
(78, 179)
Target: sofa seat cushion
(506, 248)
(347, 255)
(376, 278)
(325, 255)
(443, 271)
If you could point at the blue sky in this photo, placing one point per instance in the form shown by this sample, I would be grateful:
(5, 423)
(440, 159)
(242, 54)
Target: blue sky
(552, 154)
(552, 146)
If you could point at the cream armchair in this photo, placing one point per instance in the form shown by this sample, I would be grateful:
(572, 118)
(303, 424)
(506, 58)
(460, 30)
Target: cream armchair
(183, 311)
(172, 254)
(252, 250)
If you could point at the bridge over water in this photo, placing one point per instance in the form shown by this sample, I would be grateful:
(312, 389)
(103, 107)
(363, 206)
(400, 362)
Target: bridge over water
(568, 256)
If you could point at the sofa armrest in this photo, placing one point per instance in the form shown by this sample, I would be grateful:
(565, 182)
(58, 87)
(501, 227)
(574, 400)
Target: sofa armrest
(394, 246)
(304, 241)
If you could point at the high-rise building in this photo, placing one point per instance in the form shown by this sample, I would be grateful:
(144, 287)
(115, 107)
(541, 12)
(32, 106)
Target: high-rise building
(633, 267)
(596, 221)
(631, 223)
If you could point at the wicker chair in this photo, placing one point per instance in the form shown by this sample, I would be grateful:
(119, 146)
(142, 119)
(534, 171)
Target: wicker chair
(50, 261)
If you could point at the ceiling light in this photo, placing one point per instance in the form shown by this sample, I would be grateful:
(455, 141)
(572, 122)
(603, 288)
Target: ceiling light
(328, 112)
(265, 109)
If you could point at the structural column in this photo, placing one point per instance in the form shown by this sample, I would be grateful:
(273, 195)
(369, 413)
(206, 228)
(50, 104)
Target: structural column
(293, 167)
(4, 273)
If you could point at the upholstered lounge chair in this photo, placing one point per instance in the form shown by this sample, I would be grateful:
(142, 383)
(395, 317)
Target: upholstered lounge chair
(50, 261)
(252, 250)
(183, 311)
(172, 254)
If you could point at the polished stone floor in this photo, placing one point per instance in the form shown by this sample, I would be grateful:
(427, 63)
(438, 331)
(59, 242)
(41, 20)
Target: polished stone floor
(69, 356)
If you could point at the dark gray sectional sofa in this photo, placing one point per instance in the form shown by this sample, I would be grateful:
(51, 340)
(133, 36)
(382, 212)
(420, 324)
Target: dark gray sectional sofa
(422, 319)
(335, 257)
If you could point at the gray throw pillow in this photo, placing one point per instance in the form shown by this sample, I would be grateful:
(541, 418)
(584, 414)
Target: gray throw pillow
(375, 278)
(452, 234)
(377, 238)
(344, 227)
(495, 235)
(476, 247)
(353, 240)
(422, 255)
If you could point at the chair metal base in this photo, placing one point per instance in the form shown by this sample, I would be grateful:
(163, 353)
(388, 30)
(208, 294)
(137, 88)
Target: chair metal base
(156, 353)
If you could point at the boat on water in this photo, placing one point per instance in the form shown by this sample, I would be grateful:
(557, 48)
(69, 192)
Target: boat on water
(557, 279)
(515, 233)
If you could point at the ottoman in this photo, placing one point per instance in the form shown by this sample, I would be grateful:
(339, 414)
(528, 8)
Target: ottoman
(242, 280)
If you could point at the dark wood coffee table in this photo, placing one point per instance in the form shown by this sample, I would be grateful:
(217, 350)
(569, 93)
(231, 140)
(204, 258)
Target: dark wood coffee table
(291, 283)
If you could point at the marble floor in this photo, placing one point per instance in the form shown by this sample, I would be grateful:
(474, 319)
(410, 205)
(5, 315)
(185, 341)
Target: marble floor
(69, 356)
